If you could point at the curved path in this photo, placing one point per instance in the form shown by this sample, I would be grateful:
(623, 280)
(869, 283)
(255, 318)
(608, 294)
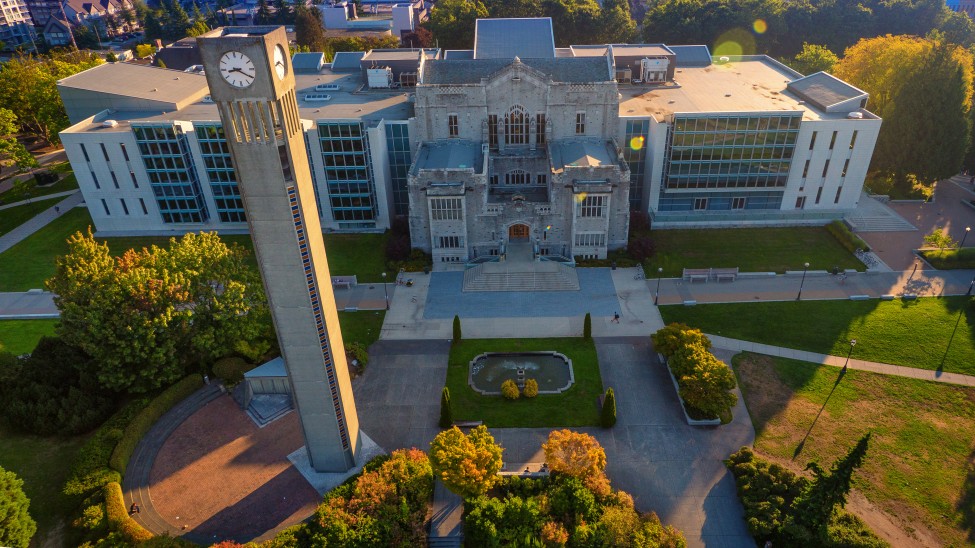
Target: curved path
(135, 486)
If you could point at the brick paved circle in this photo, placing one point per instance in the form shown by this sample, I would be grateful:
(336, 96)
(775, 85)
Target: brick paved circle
(222, 477)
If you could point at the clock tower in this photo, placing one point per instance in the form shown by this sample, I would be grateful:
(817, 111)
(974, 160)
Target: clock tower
(250, 76)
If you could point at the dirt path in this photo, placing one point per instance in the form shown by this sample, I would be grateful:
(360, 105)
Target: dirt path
(888, 527)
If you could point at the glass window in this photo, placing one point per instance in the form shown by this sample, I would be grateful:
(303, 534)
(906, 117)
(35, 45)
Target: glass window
(580, 123)
(446, 209)
(453, 130)
(593, 206)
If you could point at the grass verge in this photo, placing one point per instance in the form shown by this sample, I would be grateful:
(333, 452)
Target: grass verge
(21, 336)
(918, 467)
(929, 333)
(31, 190)
(577, 406)
(27, 264)
(362, 327)
(949, 259)
(750, 249)
(13, 217)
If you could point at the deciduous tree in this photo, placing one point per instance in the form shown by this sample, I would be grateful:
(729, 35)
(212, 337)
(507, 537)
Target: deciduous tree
(574, 453)
(150, 314)
(12, 151)
(309, 30)
(814, 58)
(675, 336)
(708, 385)
(16, 525)
(940, 239)
(452, 22)
(468, 465)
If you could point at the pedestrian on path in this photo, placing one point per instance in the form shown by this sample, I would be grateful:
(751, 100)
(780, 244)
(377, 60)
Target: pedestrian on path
(57, 210)
(134, 509)
(616, 317)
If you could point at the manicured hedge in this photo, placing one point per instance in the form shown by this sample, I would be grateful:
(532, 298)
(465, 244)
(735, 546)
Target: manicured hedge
(142, 422)
(949, 259)
(118, 516)
(847, 239)
(90, 471)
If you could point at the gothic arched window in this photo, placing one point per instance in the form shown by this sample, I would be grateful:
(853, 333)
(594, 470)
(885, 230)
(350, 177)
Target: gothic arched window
(516, 126)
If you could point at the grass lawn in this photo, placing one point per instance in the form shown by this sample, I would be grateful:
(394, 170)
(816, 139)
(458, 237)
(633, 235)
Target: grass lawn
(17, 194)
(21, 336)
(750, 249)
(949, 259)
(577, 406)
(362, 326)
(13, 217)
(27, 264)
(919, 465)
(909, 333)
(43, 464)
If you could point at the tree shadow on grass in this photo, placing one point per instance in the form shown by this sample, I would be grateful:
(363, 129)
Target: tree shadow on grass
(966, 502)
(959, 307)
(802, 443)
(766, 391)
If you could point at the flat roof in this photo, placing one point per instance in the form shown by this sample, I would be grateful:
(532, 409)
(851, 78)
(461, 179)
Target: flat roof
(755, 84)
(452, 154)
(825, 90)
(582, 153)
(139, 81)
(514, 37)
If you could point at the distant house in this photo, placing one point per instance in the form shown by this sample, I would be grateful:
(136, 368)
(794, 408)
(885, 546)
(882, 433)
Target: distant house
(108, 16)
(57, 31)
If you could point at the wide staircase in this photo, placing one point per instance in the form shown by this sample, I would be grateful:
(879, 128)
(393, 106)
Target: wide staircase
(873, 216)
(519, 272)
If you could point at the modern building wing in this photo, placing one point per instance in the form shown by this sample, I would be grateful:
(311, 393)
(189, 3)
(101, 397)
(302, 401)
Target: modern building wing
(16, 27)
(478, 152)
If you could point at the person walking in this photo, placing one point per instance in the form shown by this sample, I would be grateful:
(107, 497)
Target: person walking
(616, 317)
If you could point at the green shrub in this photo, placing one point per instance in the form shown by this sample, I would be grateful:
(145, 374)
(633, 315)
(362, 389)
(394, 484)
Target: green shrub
(16, 525)
(231, 369)
(669, 339)
(457, 332)
(446, 414)
(143, 421)
(118, 516)
(357, 351)
(90, 471)
(587, 327)
(848, 531)
(531, 388)
(418, 262)
(510, 390)
(53, 393)
(608, 417)
(845, 237)
(92, 518)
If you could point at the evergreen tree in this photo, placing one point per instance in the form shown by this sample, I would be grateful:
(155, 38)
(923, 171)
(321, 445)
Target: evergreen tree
(16, 525)
(263, 15)
(587, 327)
(309, 31)
(177, 20)
(446, 414)
(813, 510)
(457, 332)
(283, 15)
(608, 418)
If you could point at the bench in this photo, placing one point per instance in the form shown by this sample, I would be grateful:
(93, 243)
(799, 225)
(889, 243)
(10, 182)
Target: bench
(697, 274)
(347, 282)
(725, 274)
(468, 424)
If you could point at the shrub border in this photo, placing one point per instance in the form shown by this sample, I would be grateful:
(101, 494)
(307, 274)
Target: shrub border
(151, 413)
(683, 406)
(118, 517)
(846, 237)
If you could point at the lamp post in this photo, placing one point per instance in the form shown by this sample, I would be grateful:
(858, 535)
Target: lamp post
(805, 267)
(853, 342)
(385, 291)
(970, 286)
(656, 296)
(967, 230)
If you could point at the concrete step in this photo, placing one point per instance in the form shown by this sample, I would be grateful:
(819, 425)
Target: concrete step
(445, 542)
(879, 223)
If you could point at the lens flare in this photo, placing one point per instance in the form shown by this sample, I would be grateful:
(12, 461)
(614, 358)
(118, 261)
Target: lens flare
(636, 143)
(733, 43)
(581, 197)
(760, 26)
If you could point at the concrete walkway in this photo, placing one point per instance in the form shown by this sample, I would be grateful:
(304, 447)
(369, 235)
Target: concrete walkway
(41, 220)
(39, 199)
(735, 346)
(28, 305)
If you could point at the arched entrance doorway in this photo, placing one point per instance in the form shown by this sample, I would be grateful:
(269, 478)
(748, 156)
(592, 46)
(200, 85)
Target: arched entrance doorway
(518, 233)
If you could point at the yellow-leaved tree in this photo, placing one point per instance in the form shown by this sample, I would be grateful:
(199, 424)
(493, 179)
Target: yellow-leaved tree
(468, 465)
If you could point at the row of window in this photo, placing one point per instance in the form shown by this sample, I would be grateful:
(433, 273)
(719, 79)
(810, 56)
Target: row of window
(736, 124)
(846, 168)
(316, 306)
(591, 239)
(450, 242)
(832, 140)
(446, 209)
(593, 206)
(518, 177)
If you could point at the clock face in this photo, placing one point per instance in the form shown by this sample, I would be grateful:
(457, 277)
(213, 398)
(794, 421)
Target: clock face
(280, 65)
(237, 69)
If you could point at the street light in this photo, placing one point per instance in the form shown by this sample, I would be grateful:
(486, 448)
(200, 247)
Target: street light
(660, 272)
(970, 286)
(967, 230)
(853, 342)
(385, 291)
(805, 267)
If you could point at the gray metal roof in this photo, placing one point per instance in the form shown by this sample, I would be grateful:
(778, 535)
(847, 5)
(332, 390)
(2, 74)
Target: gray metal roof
(459, 54)
(452, 154)
(138, 81)
(509, 38)
(305, 63)
(347, 60)
(273, 368)
(824, 90)
(562, 69)
(692, 56)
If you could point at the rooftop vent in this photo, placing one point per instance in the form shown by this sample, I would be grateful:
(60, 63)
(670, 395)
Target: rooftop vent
(114, 123)
(327, 87)
(317, 97)
(855, 116)
(207, 99)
